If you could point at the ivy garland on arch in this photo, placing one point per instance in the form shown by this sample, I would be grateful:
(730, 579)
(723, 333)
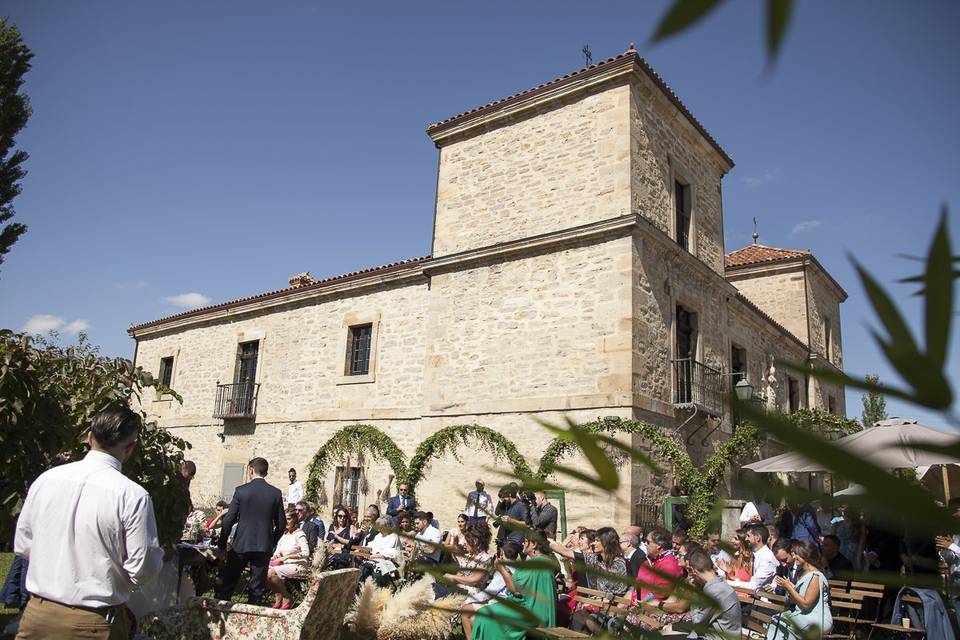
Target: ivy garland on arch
(448, 439)
(356, 438)
(700, 483)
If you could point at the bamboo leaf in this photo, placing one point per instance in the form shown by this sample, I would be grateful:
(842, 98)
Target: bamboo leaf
(938, 290)
(682, 15)
(607, 477)
(778, 19)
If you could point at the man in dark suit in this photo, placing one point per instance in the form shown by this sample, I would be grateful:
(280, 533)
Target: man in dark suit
(258, 511)
(312, 529)
(402, 502)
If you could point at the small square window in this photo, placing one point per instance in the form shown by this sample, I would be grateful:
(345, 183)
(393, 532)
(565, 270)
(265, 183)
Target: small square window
(358, 350)
(166, 371)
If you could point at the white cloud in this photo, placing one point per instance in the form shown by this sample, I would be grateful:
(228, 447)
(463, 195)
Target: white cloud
(188, 300)
(756, 181)
(44, 323)
(803, 227)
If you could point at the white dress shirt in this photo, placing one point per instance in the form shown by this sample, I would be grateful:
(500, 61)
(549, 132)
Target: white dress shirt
(89, 533)
(432, 537)
(764, 569)
(294, 492)
(479, 505)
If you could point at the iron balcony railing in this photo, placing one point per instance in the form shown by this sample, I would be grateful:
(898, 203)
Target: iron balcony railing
(698, 385)
(236, 400)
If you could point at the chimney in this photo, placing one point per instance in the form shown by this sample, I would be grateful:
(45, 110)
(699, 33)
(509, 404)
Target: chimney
(301, 279)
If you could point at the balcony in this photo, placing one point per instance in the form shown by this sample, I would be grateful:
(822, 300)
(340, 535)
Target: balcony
(697, 386)
(236, 400)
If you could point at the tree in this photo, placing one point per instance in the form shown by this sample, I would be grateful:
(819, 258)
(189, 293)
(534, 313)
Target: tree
(48, 395)
(874, 404)
(14, 112)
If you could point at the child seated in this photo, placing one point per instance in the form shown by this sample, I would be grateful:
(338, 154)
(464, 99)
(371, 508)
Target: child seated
(500, 586)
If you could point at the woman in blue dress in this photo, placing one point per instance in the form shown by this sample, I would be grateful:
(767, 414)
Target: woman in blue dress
(810, 615)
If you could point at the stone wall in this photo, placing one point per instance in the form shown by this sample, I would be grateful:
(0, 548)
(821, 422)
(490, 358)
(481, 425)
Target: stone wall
(302, 358)
(780, 293)
(567, 166)
(548, 330)
(665, 148)
(823, 303)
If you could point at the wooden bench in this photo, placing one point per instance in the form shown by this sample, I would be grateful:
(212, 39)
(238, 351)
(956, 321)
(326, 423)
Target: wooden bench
(845, 609)
(762, 607)
(556, 633)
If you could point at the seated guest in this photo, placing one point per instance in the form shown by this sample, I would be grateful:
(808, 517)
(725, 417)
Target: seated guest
(654, 578)
(783, 552)
(810, 614)
(534, 581)
(676, 607)
(741, 567)
(365, 534)
(835, 563)
(288, 561)
(628, 543)
(340, 530)
(474, 562)
(405, 522)
(712, 545)
(773, 534)
(221, 511)
(572, 540)
(764, 562)
(677, 539)
(721, 613)
(383, 553)
(584, 544)
(604, 557)
(428, 538)
(500, 586)
(311, 529)
(455, 538)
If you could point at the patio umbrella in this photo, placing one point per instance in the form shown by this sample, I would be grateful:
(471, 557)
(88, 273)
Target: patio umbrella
(889, 445)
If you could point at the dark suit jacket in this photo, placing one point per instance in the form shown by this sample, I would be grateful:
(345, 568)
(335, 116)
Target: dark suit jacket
(394, 505)
(258, 508)
(313, 532)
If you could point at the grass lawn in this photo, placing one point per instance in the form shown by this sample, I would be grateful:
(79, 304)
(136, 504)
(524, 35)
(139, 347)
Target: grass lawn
(6, 615)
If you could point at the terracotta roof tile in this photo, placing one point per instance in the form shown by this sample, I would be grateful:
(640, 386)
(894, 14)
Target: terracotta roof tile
(317, 284)
(758, 253)
(629, 53)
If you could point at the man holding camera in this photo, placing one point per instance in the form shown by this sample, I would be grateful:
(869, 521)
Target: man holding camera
(514, 515)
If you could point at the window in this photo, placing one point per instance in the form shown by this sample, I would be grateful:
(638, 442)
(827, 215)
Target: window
(166, 371)
(827, 339)
(686, 350)
(681, 197)
(349, 479)
(247, 353)
(793, 394)
(738, 364)
(358, 350)
(832, 404)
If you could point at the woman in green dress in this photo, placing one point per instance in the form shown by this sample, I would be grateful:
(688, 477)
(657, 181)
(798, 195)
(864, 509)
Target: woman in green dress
(810, 616)
(538, 596)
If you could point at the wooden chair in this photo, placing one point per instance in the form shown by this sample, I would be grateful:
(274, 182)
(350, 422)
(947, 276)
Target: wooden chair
(845, 609)
(908, 603)
(762, 607)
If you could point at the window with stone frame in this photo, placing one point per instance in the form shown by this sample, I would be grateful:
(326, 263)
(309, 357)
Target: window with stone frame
(738, 364)
(793, 394)
(349, 479)
(681, 204)
(358, 350)
(166, 371)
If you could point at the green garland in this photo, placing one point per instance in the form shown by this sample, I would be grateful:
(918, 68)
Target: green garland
(448, 439)
(354, 439)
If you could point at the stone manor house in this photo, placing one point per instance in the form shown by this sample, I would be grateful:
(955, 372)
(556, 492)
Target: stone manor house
(577, 270)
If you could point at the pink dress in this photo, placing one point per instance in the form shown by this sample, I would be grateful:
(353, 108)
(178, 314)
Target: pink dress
(295, 567)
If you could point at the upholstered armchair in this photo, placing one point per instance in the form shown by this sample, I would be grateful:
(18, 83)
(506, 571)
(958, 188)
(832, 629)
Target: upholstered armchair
(319, 615)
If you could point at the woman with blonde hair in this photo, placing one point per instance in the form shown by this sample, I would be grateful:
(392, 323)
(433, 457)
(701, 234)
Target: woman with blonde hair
(289, 560)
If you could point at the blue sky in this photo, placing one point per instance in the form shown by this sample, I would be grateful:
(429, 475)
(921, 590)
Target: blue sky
(216, 148)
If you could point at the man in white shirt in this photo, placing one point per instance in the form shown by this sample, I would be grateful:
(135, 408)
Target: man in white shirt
(479, 504)
(719, 557)
(295, 490)
(428, 536)
(764, 562)
(90, 536)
